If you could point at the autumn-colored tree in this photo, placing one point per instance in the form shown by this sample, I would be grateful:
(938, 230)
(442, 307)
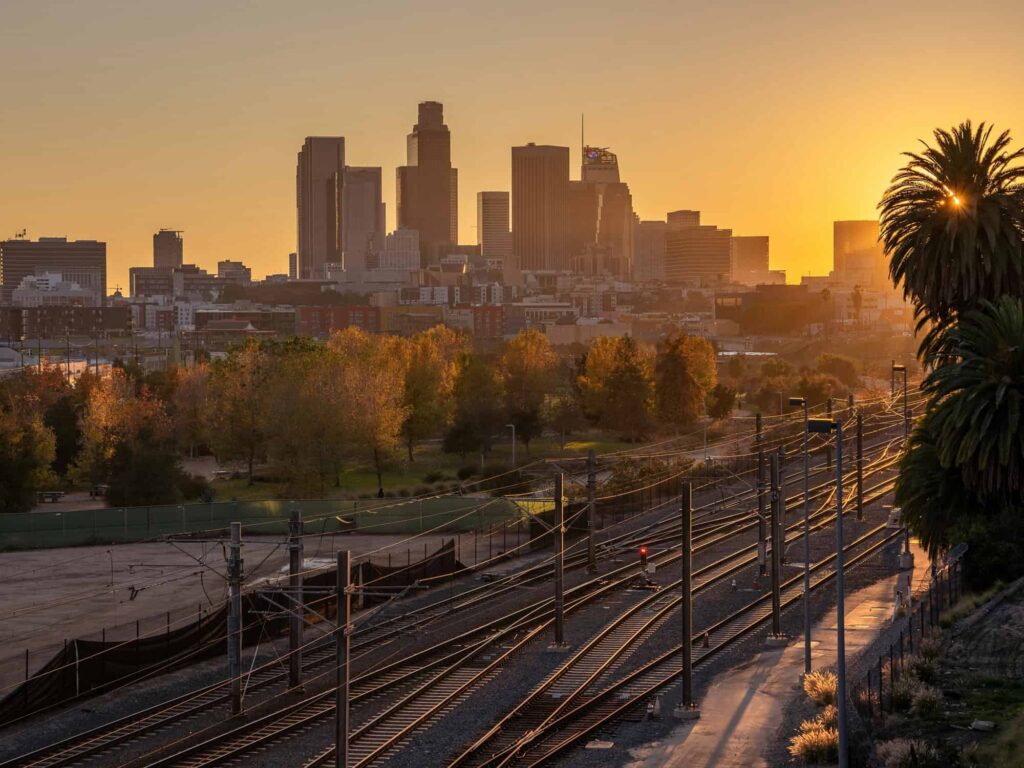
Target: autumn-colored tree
(372, 380)
(306, 415)
(128, 444)
(27, 449)
(239, 400)
(527, 368)
(595, 368)
(190, 405)
(721, 400)
(684, 372)
(430, 367)
(628, 390)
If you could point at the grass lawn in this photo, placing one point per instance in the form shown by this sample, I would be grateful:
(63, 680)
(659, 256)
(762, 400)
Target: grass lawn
(430, 460)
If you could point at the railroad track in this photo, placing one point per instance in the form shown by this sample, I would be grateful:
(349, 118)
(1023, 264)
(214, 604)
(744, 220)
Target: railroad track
(597, 707)
(191, 705)
(375, 735)
(567, 683)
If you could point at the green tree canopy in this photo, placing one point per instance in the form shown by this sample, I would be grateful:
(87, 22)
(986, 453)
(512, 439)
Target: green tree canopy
(952, 222)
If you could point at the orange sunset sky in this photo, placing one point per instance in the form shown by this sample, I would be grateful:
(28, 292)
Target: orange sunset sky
(770, 117)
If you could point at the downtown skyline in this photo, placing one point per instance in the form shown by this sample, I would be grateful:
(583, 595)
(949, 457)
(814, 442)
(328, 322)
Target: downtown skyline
(193, 123)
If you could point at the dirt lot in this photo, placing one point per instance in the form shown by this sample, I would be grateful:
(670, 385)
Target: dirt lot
(52, 594)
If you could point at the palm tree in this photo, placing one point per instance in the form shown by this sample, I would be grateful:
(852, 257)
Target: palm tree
(976, 392)
(952, 224)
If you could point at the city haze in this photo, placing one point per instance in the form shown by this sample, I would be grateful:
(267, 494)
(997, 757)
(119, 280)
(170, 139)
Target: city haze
(123, 120)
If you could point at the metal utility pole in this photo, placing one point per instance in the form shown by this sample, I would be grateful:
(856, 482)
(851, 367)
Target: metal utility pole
(295, 530)
(559, 562)
(591, 488)
(342, 641)
(807, 536)
(823, 426)
(762, 534)
(777, 545)
(235, 617)
(686, 510)
(860, 466)
(844, 757)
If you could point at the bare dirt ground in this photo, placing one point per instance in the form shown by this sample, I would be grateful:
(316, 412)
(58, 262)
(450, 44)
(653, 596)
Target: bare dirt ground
(49, 595)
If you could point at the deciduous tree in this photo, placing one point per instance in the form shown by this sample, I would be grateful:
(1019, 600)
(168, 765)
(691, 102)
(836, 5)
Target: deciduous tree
(527, 367)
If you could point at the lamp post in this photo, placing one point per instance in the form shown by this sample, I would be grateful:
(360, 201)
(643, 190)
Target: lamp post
(513, 428)
(798, 401)
(906, 410)
(825, 426)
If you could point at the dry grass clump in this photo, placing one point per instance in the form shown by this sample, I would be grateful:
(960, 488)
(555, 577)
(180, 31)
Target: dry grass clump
(821, 687)
(907, 753)
(815, 743)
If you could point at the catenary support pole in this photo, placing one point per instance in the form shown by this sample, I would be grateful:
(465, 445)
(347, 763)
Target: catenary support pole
(844, 756)
(342, 643)
(777, 544)
(807, 545)
(828, 447)
(235, 617)
(686, 510)
(762, 534)
(295, 623)
(591, 488)
(559, 533)
(860, 466)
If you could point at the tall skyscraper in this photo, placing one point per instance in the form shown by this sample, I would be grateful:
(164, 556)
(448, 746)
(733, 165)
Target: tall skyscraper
(601, 219)
(168, 248)
(319, 177)
(750, 259)
(540, 192)
(362, 217)
(858, 256)
(427, 185)
(649, 263)
(77, 261)
(492, 227)
(696, 254)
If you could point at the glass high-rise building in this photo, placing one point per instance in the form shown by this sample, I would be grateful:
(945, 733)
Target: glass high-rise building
(492, 225)
(540, 198)
(427, 185)
(319, 176)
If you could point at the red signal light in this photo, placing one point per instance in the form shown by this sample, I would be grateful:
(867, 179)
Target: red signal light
(643, 551)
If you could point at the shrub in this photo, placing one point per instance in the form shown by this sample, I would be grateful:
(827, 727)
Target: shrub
(403, 492)
(466, 471)
(929, 648)
(820, 687)
(196, 487)
(829, 717)
(866, 702)
(815, 743)
(922, 668)
(927, 700)
(434, 476)
(902, 693)
(421, 490)
(912, 753)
